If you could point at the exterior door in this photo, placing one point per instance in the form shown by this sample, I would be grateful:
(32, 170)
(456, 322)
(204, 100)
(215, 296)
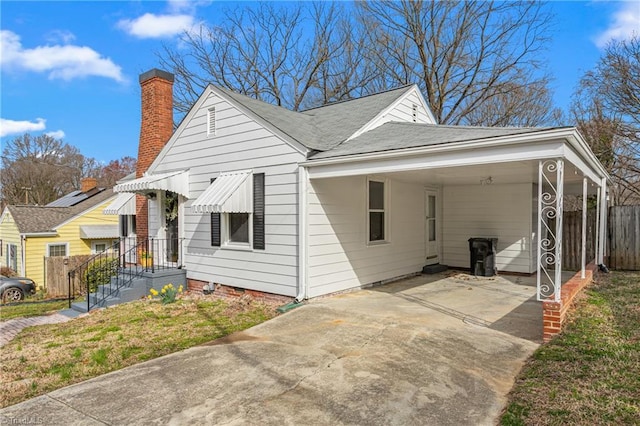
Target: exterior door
(432, 219)
(171, 204)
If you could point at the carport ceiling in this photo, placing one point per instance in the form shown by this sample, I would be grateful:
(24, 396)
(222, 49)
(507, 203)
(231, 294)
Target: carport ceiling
(502, 173)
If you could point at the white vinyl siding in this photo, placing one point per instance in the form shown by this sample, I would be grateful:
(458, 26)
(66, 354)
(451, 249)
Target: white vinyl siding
(404, 111)
(338, 255)
(488, 211)
(240, 144)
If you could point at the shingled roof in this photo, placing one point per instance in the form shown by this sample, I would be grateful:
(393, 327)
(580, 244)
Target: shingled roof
(396, 135)
(35, 219)
(324, 127)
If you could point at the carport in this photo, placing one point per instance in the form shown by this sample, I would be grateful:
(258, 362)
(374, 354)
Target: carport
(460, 182)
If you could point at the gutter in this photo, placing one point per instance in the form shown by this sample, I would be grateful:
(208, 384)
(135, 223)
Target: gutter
(23, 255)
(40, 234)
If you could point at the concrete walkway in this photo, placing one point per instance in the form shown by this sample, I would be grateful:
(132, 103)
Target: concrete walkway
(10, 329)
(440, 350)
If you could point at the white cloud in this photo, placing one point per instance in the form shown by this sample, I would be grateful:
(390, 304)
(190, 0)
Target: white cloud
(156, 26)
(625, 23)
(65, 62)
(12, 127)
(178, 6)
(58, 134)
(60, 36)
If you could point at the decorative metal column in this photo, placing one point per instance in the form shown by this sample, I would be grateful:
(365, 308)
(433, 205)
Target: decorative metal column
(550, 195)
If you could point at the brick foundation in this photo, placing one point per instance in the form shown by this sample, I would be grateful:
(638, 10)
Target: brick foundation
(227, 292)
(554, 313)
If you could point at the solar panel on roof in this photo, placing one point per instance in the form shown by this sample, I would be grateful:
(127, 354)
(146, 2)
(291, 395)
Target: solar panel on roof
(73, 198)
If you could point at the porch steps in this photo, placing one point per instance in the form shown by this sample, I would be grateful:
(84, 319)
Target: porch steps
(434, 269)
(109, 294)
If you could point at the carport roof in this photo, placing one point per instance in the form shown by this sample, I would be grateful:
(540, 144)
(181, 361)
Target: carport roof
(396, 135)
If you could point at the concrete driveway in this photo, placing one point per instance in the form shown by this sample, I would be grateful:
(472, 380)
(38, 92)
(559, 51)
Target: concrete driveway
(437, 350)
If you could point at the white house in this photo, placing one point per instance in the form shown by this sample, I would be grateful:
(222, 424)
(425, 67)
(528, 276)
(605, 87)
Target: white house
(358, 192)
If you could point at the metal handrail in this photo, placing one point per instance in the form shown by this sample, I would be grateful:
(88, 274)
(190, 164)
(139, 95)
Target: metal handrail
(106, 273)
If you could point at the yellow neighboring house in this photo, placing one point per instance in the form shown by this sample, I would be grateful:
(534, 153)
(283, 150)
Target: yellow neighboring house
(72, 225)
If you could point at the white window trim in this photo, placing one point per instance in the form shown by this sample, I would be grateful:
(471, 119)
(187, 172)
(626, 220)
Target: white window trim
(107, 243)
(58, 244)
(211, 112)
(387, 237)
(232, 245)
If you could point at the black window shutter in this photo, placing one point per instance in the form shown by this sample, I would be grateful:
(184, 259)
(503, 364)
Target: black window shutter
(258, 211)
(216, 239)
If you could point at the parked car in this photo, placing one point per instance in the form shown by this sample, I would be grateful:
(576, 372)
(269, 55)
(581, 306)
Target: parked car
(15, 288)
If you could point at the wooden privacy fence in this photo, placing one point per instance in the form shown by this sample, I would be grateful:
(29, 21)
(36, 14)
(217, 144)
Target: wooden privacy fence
(624, 238)
(572, 239)
(56, 269)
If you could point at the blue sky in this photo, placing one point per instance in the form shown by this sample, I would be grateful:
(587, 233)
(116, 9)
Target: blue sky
(70, 69)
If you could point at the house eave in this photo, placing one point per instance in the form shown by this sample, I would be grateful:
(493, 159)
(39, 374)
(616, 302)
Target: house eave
(38, 234)
(535, 146)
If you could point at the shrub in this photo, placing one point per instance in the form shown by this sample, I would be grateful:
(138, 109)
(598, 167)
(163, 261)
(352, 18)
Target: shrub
(7, 272)
(100, 271)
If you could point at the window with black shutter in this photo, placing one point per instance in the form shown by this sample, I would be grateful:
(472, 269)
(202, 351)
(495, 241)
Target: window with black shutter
(216, 238)
(258, 211)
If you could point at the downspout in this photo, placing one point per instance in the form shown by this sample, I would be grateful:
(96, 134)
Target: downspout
(302, 234)
(23, 257)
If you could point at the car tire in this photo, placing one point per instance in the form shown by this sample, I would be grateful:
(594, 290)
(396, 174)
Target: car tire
(12, 294)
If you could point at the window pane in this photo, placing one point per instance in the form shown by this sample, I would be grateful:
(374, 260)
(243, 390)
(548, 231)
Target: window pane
(432, 230)
(100, 248)
(376, 226)
(58, 250)
(239, 227)
(432, 206)
(376, 195)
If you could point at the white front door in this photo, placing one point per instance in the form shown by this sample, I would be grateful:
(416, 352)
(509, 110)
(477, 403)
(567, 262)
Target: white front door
(432, 219)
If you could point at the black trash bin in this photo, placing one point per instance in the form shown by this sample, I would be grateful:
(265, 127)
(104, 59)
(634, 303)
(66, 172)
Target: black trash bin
(483, 256)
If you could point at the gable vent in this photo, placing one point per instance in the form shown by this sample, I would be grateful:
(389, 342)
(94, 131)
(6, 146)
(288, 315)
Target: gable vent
(414, 113)
(211, 122)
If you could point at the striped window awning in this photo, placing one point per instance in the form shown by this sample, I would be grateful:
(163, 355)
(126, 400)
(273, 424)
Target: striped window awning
(177, 182)
(124, 204)
(230, 192)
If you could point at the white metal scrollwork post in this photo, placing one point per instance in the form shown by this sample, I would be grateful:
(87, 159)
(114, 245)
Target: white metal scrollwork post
(550, 195)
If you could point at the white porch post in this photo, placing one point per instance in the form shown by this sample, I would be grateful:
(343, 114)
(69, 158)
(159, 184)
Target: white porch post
(550, 197)
(584, 228)
(603, 221)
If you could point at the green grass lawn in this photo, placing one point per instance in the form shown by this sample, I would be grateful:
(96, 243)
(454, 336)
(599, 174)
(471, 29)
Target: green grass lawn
(590, 373)
(44, 358)
(31, 309)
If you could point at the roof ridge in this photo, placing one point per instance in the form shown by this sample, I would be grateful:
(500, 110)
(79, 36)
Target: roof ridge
(304, 111)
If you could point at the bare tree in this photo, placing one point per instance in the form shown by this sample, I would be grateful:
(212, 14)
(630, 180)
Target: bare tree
(115, 170)
(606, 109)
(477, 62)
(293, 55)
(40, 169)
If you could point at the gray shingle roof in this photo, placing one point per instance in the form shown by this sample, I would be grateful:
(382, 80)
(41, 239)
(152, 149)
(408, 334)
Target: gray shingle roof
(394, 135)
(324, 127)
(32, 219)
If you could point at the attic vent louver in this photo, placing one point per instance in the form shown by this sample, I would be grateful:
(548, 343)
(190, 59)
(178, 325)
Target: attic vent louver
(414, 113)
(211, 122)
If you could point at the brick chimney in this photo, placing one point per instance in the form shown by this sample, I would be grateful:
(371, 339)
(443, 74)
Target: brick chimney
(156, 129)
(87, 184)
